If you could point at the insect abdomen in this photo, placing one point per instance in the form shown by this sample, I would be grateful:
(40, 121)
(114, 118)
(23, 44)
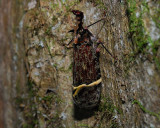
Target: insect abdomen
(86, 70)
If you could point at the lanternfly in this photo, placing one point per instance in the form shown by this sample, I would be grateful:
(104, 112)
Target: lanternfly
(86, 70)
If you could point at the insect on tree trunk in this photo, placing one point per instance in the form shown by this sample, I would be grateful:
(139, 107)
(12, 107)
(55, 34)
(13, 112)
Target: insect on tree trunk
(86, 69)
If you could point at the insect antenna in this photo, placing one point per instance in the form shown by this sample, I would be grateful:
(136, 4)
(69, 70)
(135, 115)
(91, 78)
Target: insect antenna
(95, 22)
(97, 35)
(100, 29)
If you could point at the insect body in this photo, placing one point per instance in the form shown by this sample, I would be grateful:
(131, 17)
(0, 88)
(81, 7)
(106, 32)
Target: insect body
(86, 69)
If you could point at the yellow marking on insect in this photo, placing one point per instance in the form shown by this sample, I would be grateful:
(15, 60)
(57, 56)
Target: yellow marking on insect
(78, 88)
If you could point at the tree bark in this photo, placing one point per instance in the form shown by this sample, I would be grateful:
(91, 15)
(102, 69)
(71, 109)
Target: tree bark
(36, 65)
(12, 68)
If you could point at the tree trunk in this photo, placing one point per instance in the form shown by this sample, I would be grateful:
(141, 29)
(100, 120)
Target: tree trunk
(12, 68)
(36, 64)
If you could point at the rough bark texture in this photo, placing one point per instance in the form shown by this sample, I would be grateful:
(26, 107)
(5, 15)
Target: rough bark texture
(40, 87)
(12, 68)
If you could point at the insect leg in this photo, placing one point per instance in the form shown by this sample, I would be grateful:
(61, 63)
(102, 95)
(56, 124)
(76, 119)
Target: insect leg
(106, 50)
(95, 22)
(99, 42)
(70, 42)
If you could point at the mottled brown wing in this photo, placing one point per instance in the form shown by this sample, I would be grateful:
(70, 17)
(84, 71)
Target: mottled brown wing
(85, 71)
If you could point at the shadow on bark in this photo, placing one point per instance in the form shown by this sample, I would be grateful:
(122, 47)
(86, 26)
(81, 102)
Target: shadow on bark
(81, 113)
